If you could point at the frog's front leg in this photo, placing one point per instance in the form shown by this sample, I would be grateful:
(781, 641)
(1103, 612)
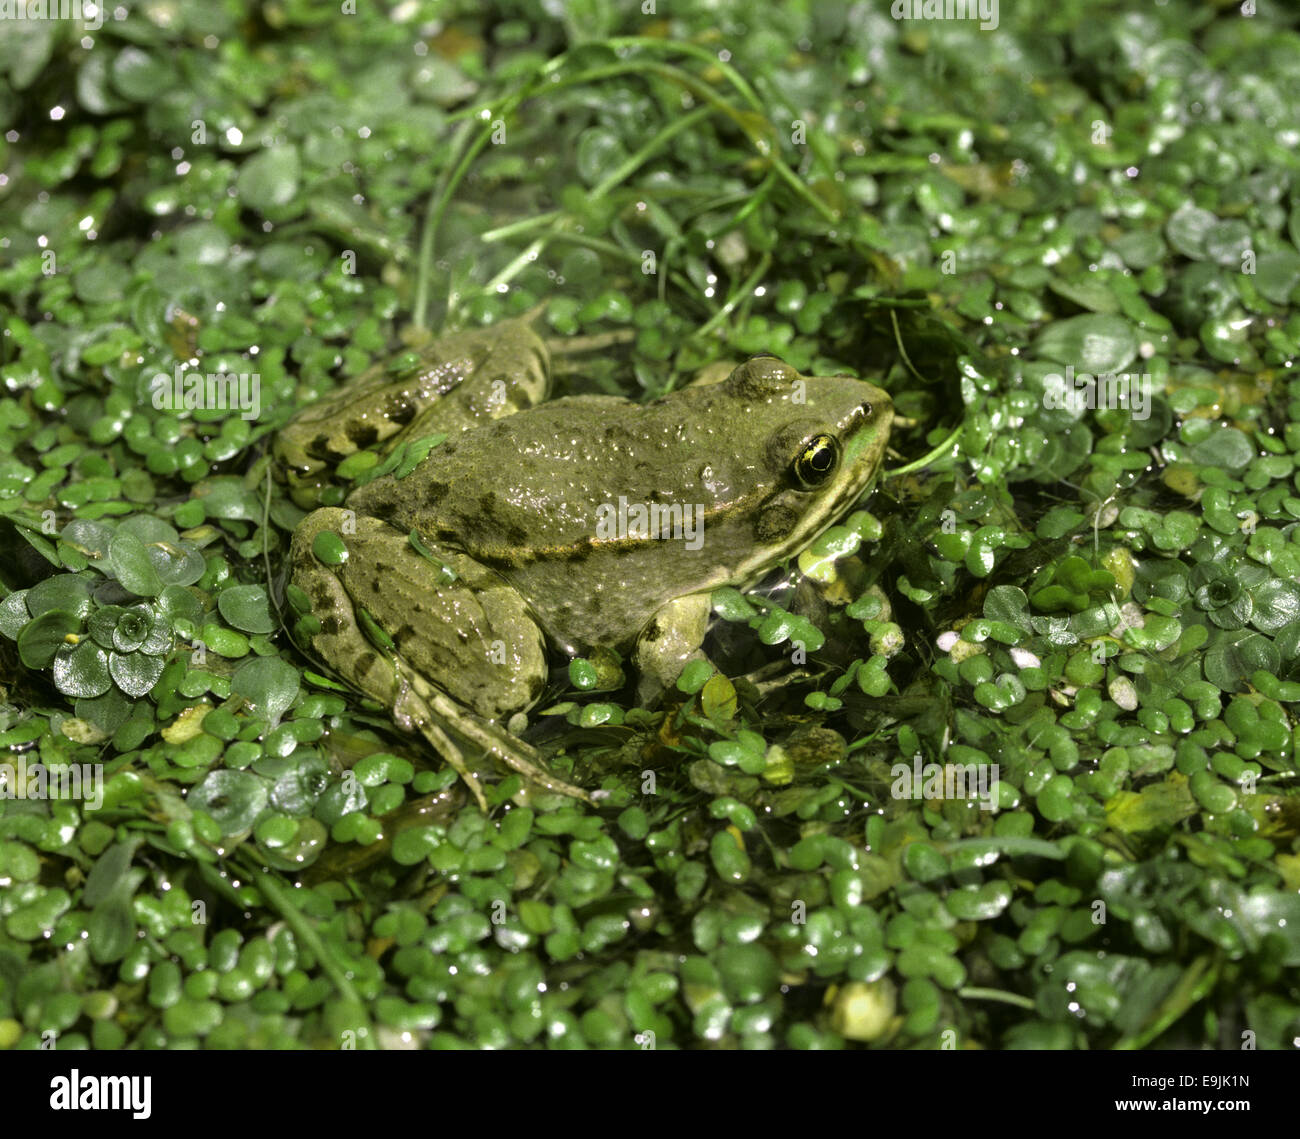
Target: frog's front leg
(455, 383)
(670, 640)
(442, 642)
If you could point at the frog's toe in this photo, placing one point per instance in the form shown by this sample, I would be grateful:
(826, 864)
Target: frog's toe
(669, 642)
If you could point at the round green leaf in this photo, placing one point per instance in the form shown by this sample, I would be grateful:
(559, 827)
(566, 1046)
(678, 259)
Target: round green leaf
(139, 76)
(1094, 343)
(135, 673)
(246, 607)
(234, 799)
(129, 561)
(83, 671)
(268, 684)
(40, 639)
(269, 180)
(66, 591)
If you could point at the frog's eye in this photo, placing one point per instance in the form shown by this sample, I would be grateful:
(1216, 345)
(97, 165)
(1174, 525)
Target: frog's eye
(816, 460)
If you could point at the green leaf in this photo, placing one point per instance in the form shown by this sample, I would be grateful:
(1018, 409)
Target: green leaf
(1234, 657)
(82, 671)
(108, 871)
(40, 639)
(1012, 845)
(141, 76)
(109, 712)
(14, 614)
(1277, 274)
(246, 607)
(268, 684)
(732, 605)
(1157, 805)
(129, 561)
(1187, 229)
(1277, 605)
(111, 930)
(66, 591)
(135, 673)
(1095, 343)
(1224, 447)
(175, 602)
(234, 799)
(269, 181)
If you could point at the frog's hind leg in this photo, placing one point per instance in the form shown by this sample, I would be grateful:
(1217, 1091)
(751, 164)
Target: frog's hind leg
(447, 748)
(495, 741)
(452, 384)
(446, 645)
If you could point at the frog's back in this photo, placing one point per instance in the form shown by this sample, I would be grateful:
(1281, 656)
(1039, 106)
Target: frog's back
(549, 498)
(535, 485)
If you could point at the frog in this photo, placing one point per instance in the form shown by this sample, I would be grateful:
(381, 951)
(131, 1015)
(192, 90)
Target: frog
(518, 528)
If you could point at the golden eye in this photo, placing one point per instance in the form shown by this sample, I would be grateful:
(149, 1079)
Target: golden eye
(816, 461)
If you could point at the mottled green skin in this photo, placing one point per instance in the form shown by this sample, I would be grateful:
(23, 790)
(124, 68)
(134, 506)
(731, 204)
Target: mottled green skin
(521, 494)
(510, 504)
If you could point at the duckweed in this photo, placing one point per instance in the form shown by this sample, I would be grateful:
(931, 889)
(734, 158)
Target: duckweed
(1012, 757)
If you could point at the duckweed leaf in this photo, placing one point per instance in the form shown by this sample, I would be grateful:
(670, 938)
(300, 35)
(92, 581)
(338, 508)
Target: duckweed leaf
(269, 180)
(1096, 344)
(233, 798)
(129, 561)
(268, 684)
(247, 607)
(40, 639)
(135, 673)
(82, 671)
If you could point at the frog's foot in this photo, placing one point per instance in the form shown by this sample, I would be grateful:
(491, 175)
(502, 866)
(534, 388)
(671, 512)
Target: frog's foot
(442, 642)
(494, 741)
(668, 643)
(419, 719)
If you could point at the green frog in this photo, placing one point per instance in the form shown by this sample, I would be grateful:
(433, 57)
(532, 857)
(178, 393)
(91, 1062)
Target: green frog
(575, 524)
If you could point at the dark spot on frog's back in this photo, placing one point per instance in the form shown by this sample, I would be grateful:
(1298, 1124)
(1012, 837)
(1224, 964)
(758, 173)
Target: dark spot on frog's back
(493, 516)
(617, 433)
(435, 492)
(383, 509)
(399, 410)
(363, 434)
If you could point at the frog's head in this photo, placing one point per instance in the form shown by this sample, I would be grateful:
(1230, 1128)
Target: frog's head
(816, 444)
